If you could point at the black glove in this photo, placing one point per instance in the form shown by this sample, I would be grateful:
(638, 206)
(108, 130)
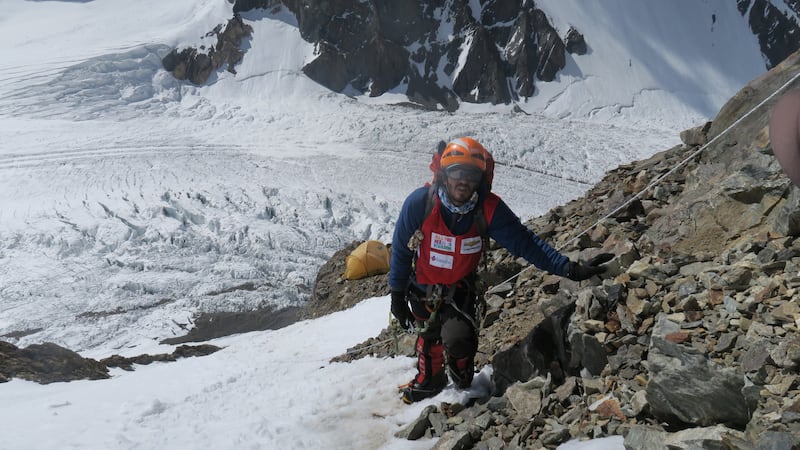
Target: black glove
(401, 311)
(580, 272)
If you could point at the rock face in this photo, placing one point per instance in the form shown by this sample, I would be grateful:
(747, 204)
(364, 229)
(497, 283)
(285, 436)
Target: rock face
(375, 46)
(692, 337)
(197, 65)
(49, 363)
(439, 53)
(777, 31)
(371, 47)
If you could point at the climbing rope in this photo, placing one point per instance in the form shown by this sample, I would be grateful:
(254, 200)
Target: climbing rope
(362, 349)
(658, 180)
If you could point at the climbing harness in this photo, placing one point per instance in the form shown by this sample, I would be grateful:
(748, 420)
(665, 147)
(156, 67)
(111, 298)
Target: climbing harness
(655, 182)
(433, 302)
(438, 295)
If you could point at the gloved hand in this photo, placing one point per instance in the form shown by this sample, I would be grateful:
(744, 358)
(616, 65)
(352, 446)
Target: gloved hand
(401, 311)
(582, 271)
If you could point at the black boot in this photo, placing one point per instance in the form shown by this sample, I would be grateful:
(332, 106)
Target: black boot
(414, 391)
(461, 371)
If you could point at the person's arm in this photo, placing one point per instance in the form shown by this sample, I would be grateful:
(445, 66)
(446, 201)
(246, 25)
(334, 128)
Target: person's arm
(409, 221)
(508, 231)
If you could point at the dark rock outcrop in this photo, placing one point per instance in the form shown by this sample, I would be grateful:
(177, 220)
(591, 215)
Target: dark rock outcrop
(492, 56)
(214, 325)
(686, 387)
(182, 351)
(197, 65)
(777, 31)
(439, 54)
(544, 352)
(575, 42)
(49, 363)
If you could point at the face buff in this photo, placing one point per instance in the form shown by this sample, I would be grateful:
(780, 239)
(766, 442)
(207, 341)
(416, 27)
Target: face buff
(463, 209)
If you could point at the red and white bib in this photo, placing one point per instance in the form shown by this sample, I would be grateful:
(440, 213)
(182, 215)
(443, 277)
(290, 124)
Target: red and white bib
(444, 258)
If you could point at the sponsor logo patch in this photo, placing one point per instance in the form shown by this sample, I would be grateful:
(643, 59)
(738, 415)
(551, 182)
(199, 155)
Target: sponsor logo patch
(441, 260)
(471, 245)
(443, 243)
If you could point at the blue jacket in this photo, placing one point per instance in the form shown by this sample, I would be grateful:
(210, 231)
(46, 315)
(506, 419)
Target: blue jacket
(505, 228)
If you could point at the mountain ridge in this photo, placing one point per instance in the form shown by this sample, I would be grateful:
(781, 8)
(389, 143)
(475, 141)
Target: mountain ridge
(442, 55)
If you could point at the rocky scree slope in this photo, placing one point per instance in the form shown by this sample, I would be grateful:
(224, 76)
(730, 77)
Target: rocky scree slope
(690, 340)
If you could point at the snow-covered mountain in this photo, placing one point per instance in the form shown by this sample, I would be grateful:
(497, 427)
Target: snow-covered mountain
(443, 54)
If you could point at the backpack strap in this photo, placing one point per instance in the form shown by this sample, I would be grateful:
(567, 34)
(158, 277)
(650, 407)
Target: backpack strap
(483, 230)
(482, 224)
(413, 242)
(429, 201)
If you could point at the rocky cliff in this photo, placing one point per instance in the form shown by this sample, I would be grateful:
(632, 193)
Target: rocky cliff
(775, 26)
(439, 53)
(691, 339)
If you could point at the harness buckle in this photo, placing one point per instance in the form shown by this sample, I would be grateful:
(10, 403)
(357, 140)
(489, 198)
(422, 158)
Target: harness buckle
(433, 297)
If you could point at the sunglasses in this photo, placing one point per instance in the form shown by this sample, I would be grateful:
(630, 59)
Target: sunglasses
(459, 173)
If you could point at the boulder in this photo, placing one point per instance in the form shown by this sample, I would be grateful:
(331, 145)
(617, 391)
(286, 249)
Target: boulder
(686, 388)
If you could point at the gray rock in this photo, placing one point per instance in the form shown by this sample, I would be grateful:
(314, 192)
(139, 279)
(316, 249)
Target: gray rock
(756, 356)
(696, 136)
(687, 388)
(708, 438)
(587, 353)
(418, 427)
(526, 402)
(575, 42)
(454, 440)
(787, 353)
(776, 440)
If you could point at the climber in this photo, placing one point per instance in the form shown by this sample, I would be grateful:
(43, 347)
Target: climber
(440, 236)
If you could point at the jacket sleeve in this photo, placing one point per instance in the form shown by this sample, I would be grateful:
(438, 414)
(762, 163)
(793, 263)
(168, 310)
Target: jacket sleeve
(507, 230)
(409, 221)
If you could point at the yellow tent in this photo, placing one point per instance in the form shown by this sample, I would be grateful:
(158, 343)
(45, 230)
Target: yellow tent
(369, 258)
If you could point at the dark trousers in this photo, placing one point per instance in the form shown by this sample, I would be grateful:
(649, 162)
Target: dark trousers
(451, 323)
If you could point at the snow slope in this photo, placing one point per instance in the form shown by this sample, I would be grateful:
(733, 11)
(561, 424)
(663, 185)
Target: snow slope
(659, 62)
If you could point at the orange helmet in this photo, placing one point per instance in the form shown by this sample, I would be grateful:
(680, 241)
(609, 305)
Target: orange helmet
(466, 151)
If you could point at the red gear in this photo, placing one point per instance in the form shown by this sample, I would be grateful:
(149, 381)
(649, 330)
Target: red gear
(430, 360)
(436, 165)
(447, 259)
(466, 151)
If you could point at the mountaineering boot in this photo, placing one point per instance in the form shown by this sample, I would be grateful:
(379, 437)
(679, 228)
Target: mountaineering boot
(414, 392)
(461, 371)
(430, 378)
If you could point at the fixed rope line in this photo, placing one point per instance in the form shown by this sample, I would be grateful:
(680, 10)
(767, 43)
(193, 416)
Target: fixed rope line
(376, 344)
(326, 360)
(660, 178)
